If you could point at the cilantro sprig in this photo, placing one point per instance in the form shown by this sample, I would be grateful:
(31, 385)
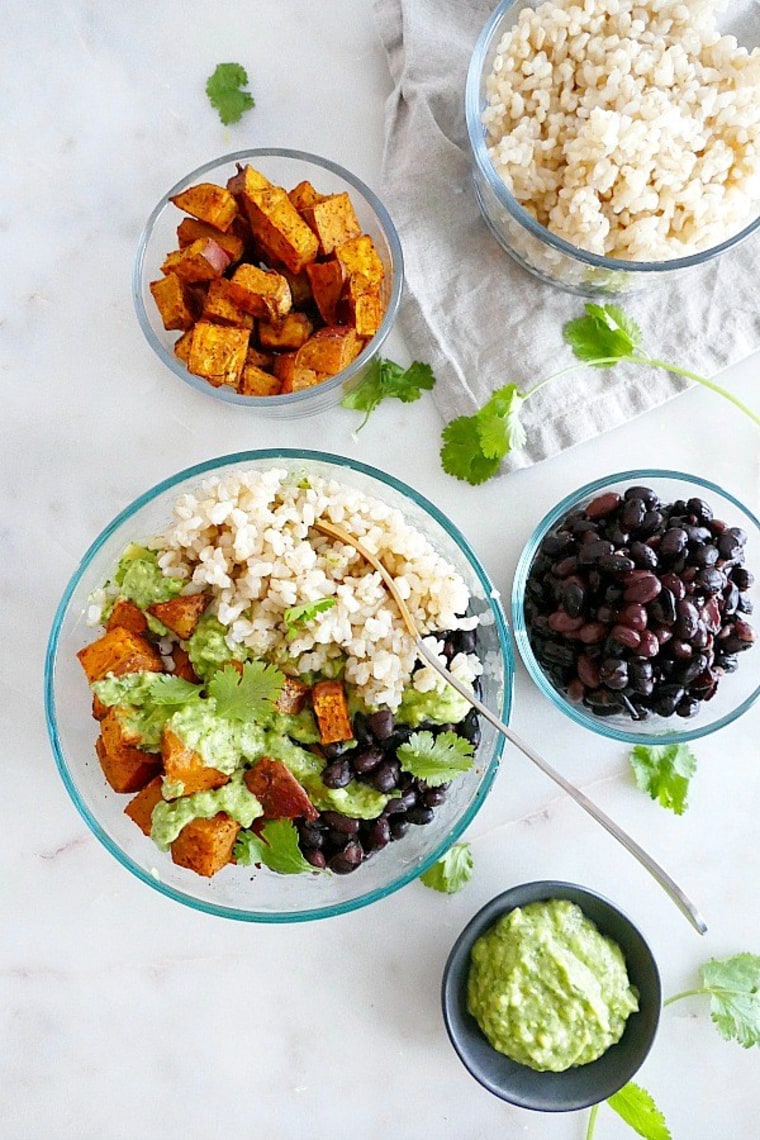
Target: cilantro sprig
(225, 91)
(385, 379)
(435, 759)
(295, 617)
(474, 446)
(276, 846)
(664, 772)
(452, 870)
(248, 695)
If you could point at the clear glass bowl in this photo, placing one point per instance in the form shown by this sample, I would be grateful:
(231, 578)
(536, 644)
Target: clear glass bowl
(242, 892)
(736, 692)
(284, 168)
(546, 256)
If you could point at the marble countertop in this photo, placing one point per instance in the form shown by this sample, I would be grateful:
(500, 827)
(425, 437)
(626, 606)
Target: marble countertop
(125, 1014)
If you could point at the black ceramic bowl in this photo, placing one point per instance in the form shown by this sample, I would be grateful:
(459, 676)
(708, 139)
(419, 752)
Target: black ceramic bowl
(577, 1087)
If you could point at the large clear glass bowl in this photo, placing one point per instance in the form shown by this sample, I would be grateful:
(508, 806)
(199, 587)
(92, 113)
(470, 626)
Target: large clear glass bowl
(532, 245)
(736, 692)
(244, 892)
(284, 168)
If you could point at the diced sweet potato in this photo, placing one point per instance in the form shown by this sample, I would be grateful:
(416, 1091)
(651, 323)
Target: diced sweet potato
(300, 287)
(202, 260)
(330, 349)
(99, 710)
(260, 359)
(327, 279)
(333, 221)
(205, 845)
(292, 377)
(117, 735)
(181, 614)
(217, 352)
(182, 665)
(183, 765)
(118, 651)
(129, 771)
(246, 181)
(279, 229)
(292, 697)
(221, 308)
(257, 381)
(173, 302)
(359, 255)
(140, 809)
(289, 332)
(330, 706)
(261, 292)
(182, 347)
(278, 791)
(209, 203)
(304, 195)
(127, 615)
(365, 306)
(191, 229)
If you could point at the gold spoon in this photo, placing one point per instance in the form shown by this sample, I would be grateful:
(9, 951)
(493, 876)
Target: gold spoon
(672, 889)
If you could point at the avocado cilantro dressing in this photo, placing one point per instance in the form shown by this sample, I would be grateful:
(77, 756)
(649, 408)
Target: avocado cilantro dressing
(208, 648)
(547, 989)
(437, 707)
(168, 819)
(141, 580)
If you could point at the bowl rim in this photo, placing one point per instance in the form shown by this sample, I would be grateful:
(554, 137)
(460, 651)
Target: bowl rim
(577, 713)
(453, 988)
(290, 399)
(207, 468)
(476, 135)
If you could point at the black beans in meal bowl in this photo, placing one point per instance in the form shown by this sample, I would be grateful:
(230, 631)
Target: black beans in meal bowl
(632, 606)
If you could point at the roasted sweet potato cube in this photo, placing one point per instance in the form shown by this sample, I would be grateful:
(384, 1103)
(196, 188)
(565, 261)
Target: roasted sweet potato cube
(182, 347)
(259, 359)
(330, 349)
(209, 203)
(279, 228)
(304, 195)
(278, 791)
(300, 287)
(140, 809)
(246, 181)
(292, 696)
(328, 699)
(129, 771)
(182, 665)
(181, 614)
(261, 292)
(217, 352)
(292, 377)
(289, 332)
(99, 710)
(257, 381)
(359, 255)
(190, 230)
(117, 735)
(183, 765)
(333, 221)
(118, 651)
(173, 302)
(365, 305)
(205, 845)
(127, 615)
(221, 308)
(202, 260)
(327, 279)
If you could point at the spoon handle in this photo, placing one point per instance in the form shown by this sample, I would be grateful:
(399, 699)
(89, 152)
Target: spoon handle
(655, 870)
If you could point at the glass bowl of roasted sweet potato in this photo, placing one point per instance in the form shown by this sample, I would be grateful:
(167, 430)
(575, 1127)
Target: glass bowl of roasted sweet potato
(269, 278)
(235, 706)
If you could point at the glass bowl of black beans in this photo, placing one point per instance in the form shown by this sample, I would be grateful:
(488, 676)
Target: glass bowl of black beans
(632, 606)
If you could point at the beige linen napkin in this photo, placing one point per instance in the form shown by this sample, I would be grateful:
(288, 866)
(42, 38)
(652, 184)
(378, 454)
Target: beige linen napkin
(475, 315)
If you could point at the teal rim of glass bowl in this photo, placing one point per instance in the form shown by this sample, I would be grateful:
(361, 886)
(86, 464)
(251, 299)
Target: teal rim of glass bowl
(519, 629)
(212, 466)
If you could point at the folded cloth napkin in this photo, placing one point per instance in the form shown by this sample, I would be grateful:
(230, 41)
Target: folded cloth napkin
(478, 317)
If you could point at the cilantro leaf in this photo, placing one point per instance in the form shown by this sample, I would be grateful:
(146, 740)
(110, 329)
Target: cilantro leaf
(499, 425)
(604, 336)
(734, 988)
(664, 771)
(436, 759)
(276, 847)
(224, 89)
(636, 1107)
(165, 689)
(452, 871)
(296, 616)
(385, 379)
(248, 695)
(462, 452)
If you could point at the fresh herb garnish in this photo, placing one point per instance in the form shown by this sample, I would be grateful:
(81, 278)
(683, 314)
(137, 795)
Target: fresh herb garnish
(435, 759)
(276, 847)
(473, 446)
(385, 378)
(247, 695)
(733, 985)
(297, 616)
(164, 689)
(224, 89)
(664, 771)
(452, 871)
(636, 1107)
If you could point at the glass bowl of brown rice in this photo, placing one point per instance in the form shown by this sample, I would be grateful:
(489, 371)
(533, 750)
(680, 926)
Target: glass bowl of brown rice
(616, 145)
(240, 529)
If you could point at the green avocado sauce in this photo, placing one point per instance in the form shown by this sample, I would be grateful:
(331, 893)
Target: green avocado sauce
(168, 819)
(208, 648)
(141, 580)
(446, 707)
(547, 989)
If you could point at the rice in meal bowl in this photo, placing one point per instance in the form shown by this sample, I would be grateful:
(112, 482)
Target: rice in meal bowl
(631, 130)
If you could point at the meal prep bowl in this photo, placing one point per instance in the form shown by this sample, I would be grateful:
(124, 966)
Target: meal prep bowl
(240, 892)
(577, 1087)
(736, 691)
(284, 168)
(547, 256)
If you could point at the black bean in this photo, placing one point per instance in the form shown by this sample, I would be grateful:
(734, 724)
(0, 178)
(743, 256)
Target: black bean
(311, 835)
(420, 816)
(573, 597)
(646, 494)
(644, 556)
(385, 776)
(362, 733)
(399, 826)
(367, 760)
(687, 619)
(337, 774)
(433, 797)
(700, 509)
(336, 821)
(613, 673)
(315, 857)
(742, 577)
(673, 542)
(469, 728)
(710, 580)
(667, 698)
(381, 724)
(348, 859)
(378, 834)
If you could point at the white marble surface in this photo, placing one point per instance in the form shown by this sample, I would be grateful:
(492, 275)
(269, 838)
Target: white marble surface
(126, 1015)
